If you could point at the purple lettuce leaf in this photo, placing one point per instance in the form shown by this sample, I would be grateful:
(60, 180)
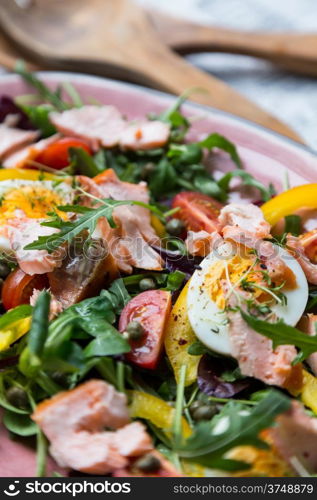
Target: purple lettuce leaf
(210, 382)
(8, 107)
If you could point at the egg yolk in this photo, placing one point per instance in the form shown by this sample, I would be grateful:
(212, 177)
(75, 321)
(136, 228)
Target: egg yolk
(34, 201)
(238, 269)
(234, 269)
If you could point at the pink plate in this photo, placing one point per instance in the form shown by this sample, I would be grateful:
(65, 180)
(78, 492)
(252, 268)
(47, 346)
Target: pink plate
(269, 156)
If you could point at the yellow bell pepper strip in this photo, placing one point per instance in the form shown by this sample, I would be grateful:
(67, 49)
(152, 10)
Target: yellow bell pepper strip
(158, 227)
(156, 410)
(27, 174)
(289, 201)
(14, 324)
(178, 337)
(309, 391)
(13, 332)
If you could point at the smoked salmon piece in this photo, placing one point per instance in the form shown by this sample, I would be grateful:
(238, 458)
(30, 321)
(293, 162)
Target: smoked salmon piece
(243, 224)
(105, 126)
(75, 423)
(12, 139)
(145, 135)
(295, 437)
(20, 158)
(298, 249)
(130, 242)
(22, 231)
(308, 325)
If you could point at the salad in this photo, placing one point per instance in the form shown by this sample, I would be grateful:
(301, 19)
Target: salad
(155, 321)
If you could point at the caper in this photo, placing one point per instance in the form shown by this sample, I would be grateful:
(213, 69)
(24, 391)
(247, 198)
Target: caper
(148, 169)
(60, 378)
(18, 397)
(204, 412)
(146, 284)
(148, 463)
(194, 406)
(135, 330)
(175, 227)
(4, 269)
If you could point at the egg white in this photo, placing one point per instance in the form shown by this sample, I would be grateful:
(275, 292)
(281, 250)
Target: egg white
(210, 323)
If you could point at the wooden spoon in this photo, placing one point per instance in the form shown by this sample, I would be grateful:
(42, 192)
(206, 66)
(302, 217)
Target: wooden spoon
(296, 52)
(117, 39)
(9, 56)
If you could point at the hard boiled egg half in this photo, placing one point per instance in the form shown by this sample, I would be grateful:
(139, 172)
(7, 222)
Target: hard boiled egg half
(206, 299)
(28, 194)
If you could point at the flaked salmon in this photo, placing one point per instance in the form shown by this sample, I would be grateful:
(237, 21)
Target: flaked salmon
(75, 423)
(12, 139)
(130, 242)
(298, 249)
(295, 437)
(21, 157)
(308, 324)
(201, 243)
(105, 126)
(255, 354)
(21, 231)
(243, 224)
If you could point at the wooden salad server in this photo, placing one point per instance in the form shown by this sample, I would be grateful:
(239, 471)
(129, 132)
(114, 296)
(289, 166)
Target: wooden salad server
(296, 52)
(117, 39)
(9, 56)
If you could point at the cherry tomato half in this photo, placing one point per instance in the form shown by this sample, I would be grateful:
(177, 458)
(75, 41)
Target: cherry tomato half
(18, 287)
(151, 309)
(56, 155)
(198, 211)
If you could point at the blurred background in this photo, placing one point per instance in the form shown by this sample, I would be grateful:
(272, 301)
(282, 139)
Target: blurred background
(291, 98)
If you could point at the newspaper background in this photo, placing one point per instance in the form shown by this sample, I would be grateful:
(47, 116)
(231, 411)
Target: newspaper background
(292, 98)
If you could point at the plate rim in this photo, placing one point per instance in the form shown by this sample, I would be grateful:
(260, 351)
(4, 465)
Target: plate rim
(95, 79)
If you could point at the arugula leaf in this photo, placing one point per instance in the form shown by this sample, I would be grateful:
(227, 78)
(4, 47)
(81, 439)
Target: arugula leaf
(233, 426)
(73, 94)
(118, 295)
(219, 141)
(82, 163)
(282, 334)
(186, 153)
(164, 177)
(292, 224)
(88, 221)
(42, 89)
(39, 116)
(68, 230)
(173, 116)
(21, 425)
(248, 180)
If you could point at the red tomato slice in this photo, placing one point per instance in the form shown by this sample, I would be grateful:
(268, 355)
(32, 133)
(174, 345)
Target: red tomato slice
(56, 154)
(18, 288)
(151, 309)
(198, 211)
